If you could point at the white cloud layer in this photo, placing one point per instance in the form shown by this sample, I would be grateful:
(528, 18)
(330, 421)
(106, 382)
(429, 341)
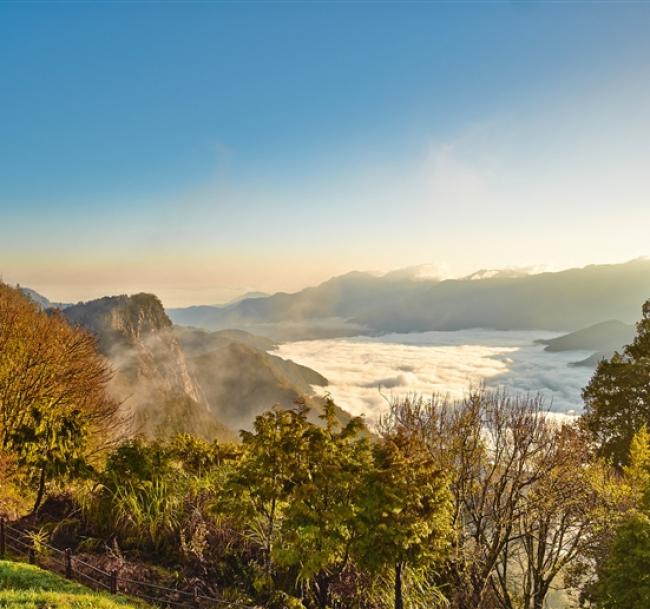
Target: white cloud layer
(364, 371)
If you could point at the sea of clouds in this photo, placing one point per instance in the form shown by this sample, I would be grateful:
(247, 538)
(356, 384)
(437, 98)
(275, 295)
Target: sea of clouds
(365, 372)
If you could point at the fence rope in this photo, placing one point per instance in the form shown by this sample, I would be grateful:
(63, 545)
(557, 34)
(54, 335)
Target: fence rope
(78, 561)
(12, 541)
(93, 580)
(126, 580)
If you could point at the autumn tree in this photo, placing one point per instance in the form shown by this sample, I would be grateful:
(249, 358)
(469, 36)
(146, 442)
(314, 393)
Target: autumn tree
(559, 524)
(11, 501)
(520, 493)
(54, 407)
(617, 399)
(637, 471)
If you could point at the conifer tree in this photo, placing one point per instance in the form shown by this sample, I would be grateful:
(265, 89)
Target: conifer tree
(406, 511)
(617, 399)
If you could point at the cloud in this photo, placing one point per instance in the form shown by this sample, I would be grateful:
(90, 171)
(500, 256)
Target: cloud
(365, 372)
(421, 271)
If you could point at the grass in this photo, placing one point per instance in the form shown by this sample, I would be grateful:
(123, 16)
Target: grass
(24, 586)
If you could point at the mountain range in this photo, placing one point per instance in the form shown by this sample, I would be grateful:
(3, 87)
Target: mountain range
(364, 303)
(202, 369)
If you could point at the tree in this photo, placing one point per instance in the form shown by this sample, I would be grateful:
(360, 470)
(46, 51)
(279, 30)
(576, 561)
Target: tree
(617, 399)
(524, 506)
(406, 510)
(564, 512)
(320, 525)
(637, 471)
(259, 488)
(11, 501)
(623, 581)
(54, 406)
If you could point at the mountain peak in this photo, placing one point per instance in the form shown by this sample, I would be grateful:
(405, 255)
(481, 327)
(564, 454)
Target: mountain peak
(152, 375)
(124, 319)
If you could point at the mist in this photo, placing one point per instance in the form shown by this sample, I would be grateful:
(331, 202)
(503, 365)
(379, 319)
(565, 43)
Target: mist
(365, 372)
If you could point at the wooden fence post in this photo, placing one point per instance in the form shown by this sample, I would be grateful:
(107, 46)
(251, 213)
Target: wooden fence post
(68, 563)
(114, 581)
(3, 538)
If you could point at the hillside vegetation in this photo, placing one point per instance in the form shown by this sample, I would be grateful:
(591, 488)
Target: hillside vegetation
(484, 502)
(25, 586)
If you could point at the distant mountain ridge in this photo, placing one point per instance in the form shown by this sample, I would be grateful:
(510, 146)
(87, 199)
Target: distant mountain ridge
(41, 301)
(603, 338)
(362, 303)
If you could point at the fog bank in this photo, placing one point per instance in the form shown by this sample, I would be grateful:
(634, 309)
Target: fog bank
(364, 371)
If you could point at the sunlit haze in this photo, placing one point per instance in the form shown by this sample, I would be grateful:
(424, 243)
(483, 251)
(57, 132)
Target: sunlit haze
(203, 150)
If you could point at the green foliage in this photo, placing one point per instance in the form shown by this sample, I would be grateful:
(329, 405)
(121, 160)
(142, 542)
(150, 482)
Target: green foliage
(52, 441)
(39, 540)
(321, 505)
(318, 516)
(321, 521)
(196, 455)
(272, 463)
(637, 472)
(623, 578)
(137, 460)
(139, 498)
(406, 510)
(149, 512)
(617, 399)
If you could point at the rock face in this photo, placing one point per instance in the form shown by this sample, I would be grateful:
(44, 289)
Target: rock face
(41, 301)
(241, 380)
(152, 377)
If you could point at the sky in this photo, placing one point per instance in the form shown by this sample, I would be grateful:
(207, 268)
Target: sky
(199, 150)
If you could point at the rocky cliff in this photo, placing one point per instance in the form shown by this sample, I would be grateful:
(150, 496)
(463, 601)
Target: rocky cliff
(241, 380)
(152, 377)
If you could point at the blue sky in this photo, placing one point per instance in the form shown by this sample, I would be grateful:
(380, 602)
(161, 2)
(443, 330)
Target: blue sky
(201, 149)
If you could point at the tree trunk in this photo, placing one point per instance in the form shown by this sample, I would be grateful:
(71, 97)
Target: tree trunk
(399, 602)
(539, 597)
(322, 591)
(41, 492)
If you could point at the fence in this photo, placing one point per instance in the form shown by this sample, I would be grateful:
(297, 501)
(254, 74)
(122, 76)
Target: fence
(18, 543)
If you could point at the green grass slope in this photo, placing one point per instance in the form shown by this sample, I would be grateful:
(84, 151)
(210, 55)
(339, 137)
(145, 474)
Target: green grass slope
(24, 586)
